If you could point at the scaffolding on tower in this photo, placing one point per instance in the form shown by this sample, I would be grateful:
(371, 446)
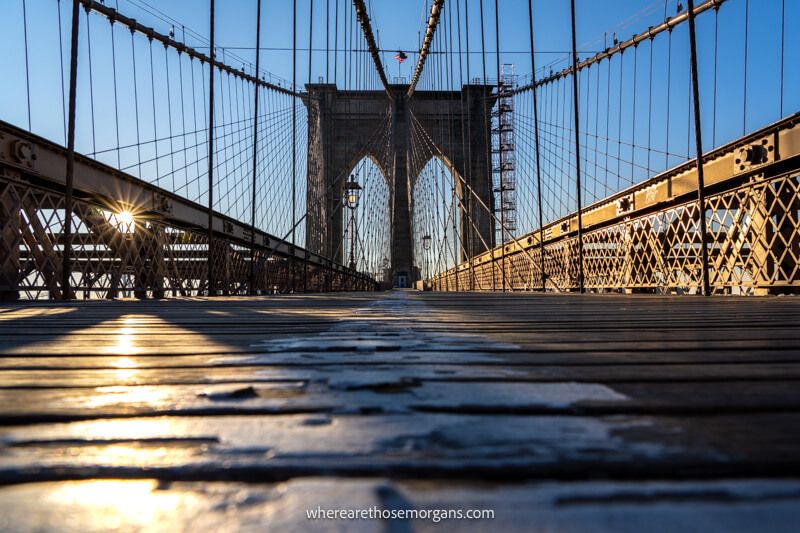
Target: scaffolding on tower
(503, 159)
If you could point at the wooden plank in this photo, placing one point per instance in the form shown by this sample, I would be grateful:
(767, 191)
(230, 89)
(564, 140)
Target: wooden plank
(430, 446)
(426, 393)
(205, 371)
(621, 506)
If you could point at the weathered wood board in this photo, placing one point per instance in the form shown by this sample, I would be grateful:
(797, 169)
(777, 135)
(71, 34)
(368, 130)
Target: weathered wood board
(601, 412)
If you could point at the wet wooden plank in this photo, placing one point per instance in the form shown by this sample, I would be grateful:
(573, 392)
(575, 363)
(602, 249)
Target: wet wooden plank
(107, 372)
(429, 446)
(377, 392)
(709, 506)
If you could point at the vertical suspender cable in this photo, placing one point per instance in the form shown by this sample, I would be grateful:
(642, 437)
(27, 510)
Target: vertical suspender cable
(310, 36)
(669, 93)
(335, 41)
(714, 98)
(619, 117)
(294, 136)
(91, 83)
(136, 105)
(536, 147)
(27, 66)
(596, 155)
(746, 43)
(633, 112)
(310, 48)
(577, 148)
(488, 153)
(66, 266)
(169, 115)
(252, 283)
(586, 114)
(458, 212)
(698, 134)
(153, 101)
(608, 130)
(587, 136)
(500, 162)
(211, 284)
(689, 121)
(61, 68)
(649, 106)
(350, 48)
(194, 119)
(467, 154)
(783, 49)
(327, 38)
(116, 93)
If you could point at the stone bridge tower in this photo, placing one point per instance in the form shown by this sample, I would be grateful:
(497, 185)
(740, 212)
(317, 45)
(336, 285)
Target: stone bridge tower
(342, 128)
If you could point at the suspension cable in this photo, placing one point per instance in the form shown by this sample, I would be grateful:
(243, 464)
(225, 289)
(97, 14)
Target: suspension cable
(430, 31)
(366, 28)
(667, 25)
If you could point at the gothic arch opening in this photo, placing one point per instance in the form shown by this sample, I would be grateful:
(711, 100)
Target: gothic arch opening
(437, 218)
(366, 239)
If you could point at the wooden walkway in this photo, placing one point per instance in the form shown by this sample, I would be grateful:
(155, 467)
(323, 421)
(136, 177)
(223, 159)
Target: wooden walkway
(557, 412)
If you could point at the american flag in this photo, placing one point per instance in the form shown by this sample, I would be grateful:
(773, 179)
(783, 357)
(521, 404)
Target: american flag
(400, 56)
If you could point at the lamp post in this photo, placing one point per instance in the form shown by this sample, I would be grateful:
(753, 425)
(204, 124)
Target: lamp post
(352, 197)
(426, 245)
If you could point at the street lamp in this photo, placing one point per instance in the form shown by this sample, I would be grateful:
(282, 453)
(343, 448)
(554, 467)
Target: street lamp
(352, 192)
(352, 196)
(386, 273)
(426, 242)
(426, 245)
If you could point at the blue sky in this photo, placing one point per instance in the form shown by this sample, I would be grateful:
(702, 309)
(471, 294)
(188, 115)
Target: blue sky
(397, 24)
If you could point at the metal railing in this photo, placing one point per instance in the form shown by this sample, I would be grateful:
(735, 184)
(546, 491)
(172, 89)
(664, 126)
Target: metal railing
(647, 238)
(131, 238)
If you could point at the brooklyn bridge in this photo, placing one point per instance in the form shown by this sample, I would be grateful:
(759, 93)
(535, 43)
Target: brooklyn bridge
(545, 277)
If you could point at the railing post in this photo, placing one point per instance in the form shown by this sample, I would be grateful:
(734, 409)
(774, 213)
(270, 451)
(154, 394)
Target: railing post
(328, 276)
(211, 282)
(698, 135)
(305, 271)
(10, 238)
(577, 148)
(455, 234)
(252, 290)
(66, 261)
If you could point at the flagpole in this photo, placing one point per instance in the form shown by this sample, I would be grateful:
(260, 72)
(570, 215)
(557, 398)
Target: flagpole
(400, 56)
